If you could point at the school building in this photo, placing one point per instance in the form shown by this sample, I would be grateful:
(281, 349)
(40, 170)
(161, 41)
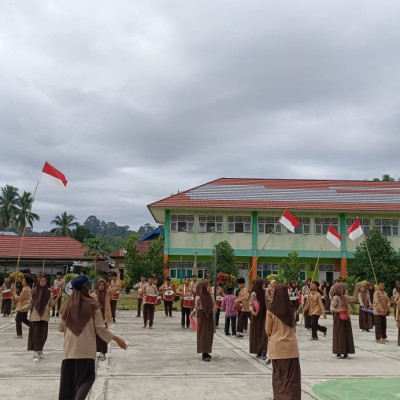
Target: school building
(244, 212)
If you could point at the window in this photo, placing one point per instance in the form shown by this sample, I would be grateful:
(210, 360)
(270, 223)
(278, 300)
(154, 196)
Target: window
(202, 268)
(182, 223)
(365, 223)
(179, 270)
(239, 224)
(388, 227)
(303, 270)
(265, 269)
(210, 223)
(303, 227)
(325, 267)
(322, 225)
(266, 225)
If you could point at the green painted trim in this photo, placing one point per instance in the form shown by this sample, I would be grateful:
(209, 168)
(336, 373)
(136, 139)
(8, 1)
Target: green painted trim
(343, 233)
(254, 233)
(167, 232)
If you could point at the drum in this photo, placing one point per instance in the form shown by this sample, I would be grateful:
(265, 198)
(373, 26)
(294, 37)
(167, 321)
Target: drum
(158, 301)
(141, 295)
(7, 294)
(218, 301)
(169, 295)
(238, 307)
(115, 296)
(188, 302)
(68, 288)
(56, 291)
(151, 299)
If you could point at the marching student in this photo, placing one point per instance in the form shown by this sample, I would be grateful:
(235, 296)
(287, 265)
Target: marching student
(148, 308)
(305, 292)
(258, 343)
(283, 349)
(58, 284)
(6, 303)
(244, 315)
(315, 308)
(365, 318)
(204, 308)
(23, 300)
(220, 293)
(185, 290)
(165, 287)
(140, 286)
(81, 320)
(230, 312)
(116, 287)
(194, 283)
(381, 307)
(343, 343)
(40, 304)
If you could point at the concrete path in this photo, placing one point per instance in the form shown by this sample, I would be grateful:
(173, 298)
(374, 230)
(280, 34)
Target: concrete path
(162, 364)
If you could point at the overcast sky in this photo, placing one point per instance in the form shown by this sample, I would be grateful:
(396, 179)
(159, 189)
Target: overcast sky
(135, 100)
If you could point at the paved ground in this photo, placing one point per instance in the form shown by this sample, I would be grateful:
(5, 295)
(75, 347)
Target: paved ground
(162, 364)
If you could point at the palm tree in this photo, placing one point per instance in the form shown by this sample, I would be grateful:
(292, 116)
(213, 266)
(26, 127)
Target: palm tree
(64, 222)
(24, 214)
(8, 205)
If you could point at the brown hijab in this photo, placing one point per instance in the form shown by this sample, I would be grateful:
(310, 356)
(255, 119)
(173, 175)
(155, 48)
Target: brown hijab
(260, 294)
(40, 297)
(101, 295)
(340, 290)
(281, 306)
(78, 309)
(205, 297)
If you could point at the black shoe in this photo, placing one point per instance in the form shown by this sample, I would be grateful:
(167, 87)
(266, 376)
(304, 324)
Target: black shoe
(53, 315)
(345, 356)
(263, 356)
(137, 316)
(227, 334)
(326, 330)
(258, 356)
(57, 315)
(114, 320)
(338, 356)
(206, 357)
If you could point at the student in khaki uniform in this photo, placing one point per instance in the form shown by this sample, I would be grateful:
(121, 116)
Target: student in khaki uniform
(315, 308)
(244, 314)
(381, 308)
(23, 300)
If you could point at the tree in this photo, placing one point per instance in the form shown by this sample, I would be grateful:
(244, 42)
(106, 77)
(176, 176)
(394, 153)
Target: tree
(154, 259)
(96, 248)
(385, 259)
(134, 264)
(145, 229)
(226, 260)
(8, 206)
(93, 224)
(81, 232)
(64, 223)
(291, 267)
(385, 178)
(24, 216)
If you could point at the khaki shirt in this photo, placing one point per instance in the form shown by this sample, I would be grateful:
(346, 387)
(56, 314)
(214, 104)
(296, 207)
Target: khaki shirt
(24, 298)
(184, 290)
(314, 304)
(381, 302)
(244, 298)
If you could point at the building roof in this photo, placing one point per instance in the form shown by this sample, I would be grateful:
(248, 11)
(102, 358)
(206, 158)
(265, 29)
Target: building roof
(42, 247)
(152, 235)
(278, 194)
(119, 253)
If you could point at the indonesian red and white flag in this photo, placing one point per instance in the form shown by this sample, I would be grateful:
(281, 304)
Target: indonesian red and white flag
(289, 221)
(355, 231)
(53, 175)
(333, 236)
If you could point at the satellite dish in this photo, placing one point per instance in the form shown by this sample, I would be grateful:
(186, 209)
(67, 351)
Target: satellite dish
(68, 288)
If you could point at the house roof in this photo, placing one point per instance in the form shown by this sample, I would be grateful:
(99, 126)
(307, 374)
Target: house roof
(278, 194)
(119, 253)
(152, 235)
(42, 247)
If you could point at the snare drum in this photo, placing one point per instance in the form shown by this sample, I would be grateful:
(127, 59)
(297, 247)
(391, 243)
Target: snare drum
(56, 291)
(7, 294)
(141, 295)
(188, 302)
(115, 296)
(169, 295)
(158, 301)
(151, 299)
(218, 301)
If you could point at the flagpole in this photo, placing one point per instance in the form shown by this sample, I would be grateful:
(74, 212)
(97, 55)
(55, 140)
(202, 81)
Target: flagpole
(319, 256)
(262, 249)
(370, 259)
(27, 218)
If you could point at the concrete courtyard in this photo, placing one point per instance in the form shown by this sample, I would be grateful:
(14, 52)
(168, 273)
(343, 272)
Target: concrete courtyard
(162, 364)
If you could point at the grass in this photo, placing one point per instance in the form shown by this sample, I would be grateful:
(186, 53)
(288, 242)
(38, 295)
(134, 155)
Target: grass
(129, 302)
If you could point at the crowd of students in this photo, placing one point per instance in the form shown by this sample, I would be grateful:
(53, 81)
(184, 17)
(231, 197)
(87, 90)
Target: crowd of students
(272, 309)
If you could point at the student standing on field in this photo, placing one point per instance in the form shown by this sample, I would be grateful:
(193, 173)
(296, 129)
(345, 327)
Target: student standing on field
(23, 300)
(381, 308)
(244, 314)
(315, 308)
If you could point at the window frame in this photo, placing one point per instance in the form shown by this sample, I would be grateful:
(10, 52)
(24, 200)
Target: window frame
(180, 220)
(239, 220)
(266, 220)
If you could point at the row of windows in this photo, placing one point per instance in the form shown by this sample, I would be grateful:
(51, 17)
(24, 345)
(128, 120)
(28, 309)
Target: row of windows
(242, 224)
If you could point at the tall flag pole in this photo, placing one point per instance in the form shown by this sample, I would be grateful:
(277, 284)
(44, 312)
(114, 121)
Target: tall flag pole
(356, 231)
(287, 220)
(52, 175)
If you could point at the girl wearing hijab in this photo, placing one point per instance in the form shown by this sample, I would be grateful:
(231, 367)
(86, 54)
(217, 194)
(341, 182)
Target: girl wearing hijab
(283, 349)
(365, 319)
(258, 309)
(103, 297)
(6, 304)
(81, 320)
(40, 304)
(204, 306)
(23, 300)
(343, 343)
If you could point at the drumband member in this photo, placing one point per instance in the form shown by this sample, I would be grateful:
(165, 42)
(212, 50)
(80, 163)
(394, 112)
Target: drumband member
(58, 287)
(187, 301)
(168, 296)
(242, 299)
(150, 294)
(115, 286)
(381, 307)
(140, 286)
(194, 284)
(7, 291)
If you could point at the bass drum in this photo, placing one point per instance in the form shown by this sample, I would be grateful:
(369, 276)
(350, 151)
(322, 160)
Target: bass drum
(68, 288)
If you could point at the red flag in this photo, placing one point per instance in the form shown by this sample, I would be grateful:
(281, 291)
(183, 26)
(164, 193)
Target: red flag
(355, 231)
(333, 236)
(54, 175)
(289, 221)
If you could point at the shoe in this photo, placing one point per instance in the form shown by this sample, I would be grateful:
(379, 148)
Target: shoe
(263, 356)
(367, 330)
(206, 357)
(150, 327)
(53, 315)
(338, 356)
(258, 356)
(385, 340)
(137, 316)
(18, 337)
(40, 355)
(239, 336)
(57, 315)
(345, 356)
(313, 339)
(380, 341)
(144, 326)
(268, 361)
(227, 334)
(102, 357)
(114, 320)
(326, 329)
(35, 358)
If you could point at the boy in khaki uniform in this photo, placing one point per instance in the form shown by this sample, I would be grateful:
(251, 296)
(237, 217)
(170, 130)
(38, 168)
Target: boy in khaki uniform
(244, 314)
